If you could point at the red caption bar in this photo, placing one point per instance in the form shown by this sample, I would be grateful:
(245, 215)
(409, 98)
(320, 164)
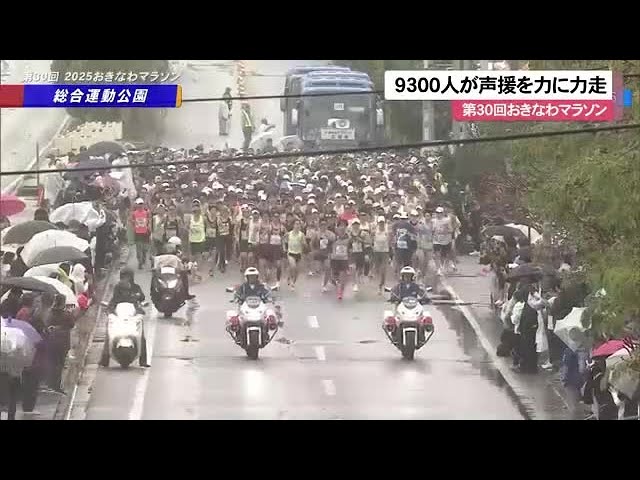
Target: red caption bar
(533, 111)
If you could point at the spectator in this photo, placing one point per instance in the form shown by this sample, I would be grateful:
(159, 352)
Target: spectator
(41, 214)
(25, 313)
(59, 342)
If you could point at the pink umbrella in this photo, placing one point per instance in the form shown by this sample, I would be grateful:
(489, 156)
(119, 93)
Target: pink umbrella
(10, 205)
(608, 348)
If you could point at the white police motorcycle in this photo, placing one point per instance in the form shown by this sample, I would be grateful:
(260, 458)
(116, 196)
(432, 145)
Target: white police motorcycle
(253, 325)
(123, 340)
(410, 326)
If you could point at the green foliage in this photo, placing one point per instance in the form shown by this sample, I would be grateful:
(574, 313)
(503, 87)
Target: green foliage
(590, 185)
(136, 124)
(403, 118)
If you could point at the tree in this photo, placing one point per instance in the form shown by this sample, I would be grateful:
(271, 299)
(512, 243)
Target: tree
(403, 118)
(590, 186)
(137, 124)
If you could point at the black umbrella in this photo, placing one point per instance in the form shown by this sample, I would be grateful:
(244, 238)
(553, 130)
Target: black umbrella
(102, 148)
(28, 283)
(526, 270)
(502, 230)
(95, 162)
(21, 233)
(57, 255)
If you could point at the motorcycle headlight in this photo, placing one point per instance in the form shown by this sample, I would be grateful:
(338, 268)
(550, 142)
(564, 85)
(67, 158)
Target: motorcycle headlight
(172, 283)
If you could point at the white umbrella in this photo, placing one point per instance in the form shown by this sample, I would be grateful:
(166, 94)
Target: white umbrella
(42, 270)
(62, 289)
(565, 326)
(535, 235)
(82, 212)
(49, 239)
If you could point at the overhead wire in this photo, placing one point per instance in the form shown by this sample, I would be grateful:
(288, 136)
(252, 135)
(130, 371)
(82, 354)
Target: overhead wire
(313, 153)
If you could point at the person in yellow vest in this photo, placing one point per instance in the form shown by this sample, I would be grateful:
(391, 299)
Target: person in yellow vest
(197, 234)
(247, 125)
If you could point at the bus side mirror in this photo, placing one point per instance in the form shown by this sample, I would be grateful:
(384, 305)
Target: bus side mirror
(294, 117)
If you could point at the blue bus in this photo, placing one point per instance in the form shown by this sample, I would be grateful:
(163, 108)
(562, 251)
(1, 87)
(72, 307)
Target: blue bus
(292, 86)
(353, 119)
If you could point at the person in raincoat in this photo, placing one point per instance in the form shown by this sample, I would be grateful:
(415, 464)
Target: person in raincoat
(223, 119)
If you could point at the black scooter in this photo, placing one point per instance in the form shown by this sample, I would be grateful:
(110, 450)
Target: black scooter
(167, 291)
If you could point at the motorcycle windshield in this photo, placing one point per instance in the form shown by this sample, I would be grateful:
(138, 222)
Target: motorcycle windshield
(410, 302)
(253, 302)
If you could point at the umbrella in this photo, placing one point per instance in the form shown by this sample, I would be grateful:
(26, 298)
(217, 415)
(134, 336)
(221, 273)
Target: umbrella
(57, 255)
(18, 351)
(535, 235)
(10, 205)
(28, 283)
(102, 148)
(22, 233)
(525, 270)
(502, 230)
(608, 348)
(61, 288)
(80, 211)
(31, 333)
(95, 162)
(42, 270)
(49, 239)
(569, 326)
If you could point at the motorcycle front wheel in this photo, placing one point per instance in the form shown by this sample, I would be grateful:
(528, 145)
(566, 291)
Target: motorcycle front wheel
(253, 345)
(409, 350)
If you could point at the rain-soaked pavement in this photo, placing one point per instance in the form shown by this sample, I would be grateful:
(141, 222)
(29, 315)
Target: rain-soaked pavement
(330, 361)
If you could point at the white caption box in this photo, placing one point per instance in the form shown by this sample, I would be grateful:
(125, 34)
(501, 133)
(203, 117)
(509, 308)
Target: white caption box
(431, 84)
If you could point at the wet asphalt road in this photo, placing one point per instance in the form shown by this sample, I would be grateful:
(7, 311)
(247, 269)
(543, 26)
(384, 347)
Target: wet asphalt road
(331, 360)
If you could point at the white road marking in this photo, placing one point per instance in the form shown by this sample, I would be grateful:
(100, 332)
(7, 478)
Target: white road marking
(320, 353)
(313, 321)
(141, 386)
(329, 387)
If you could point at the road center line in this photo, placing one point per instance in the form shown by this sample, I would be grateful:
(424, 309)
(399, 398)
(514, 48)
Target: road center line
(141, 386)
(320, 353)
(313, 321)
(329, 387)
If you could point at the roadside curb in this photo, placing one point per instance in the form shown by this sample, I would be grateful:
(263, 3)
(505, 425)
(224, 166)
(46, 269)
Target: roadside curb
(528, 409)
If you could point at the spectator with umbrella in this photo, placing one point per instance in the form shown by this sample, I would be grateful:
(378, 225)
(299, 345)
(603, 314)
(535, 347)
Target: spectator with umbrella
(59, 339)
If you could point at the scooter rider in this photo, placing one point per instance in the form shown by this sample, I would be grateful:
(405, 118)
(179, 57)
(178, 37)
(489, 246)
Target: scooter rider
(407, 287)
(172, 248)
(127, 291)
(252, 288)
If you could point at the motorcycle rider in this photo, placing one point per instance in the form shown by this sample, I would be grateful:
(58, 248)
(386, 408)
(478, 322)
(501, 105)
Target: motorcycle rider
(127, 291)
(252, 287)
(407, 287)
(171, 258)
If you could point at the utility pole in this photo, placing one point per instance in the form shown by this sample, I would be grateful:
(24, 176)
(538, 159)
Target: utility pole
(428, 117)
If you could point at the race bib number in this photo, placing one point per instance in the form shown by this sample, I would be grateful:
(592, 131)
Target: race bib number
(324, 243)
(341, 250)
(141, 222)
(356, 247)
(402, 244)
(275, 240)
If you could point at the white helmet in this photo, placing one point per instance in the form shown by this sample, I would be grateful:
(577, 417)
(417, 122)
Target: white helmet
(251, 271)
(408, 270)
(175, 241)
